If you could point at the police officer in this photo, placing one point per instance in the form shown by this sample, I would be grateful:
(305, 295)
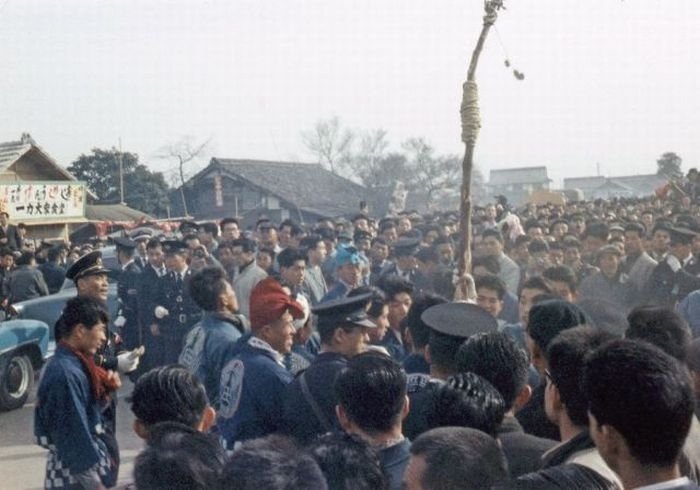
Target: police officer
(450, 325)
(175, 312)
(254, 377)
(127, 292)
(670, 280)
(309, 405)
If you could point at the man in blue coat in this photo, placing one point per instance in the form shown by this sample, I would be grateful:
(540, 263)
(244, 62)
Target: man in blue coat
(253, 378)
(206, 344)
(68, 415)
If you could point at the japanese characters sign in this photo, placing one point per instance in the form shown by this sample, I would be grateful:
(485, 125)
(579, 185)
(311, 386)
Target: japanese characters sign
(28, 201)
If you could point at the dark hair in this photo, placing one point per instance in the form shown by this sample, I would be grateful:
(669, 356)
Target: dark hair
(4, 251)
(490, 232)
(169, 394)
(645, 394)
(205, 287)
(209, 227)
(563, 476)
(637, 228)
(310, 242)
(393, 285)
(153, 243)
(179, 458)
(460, 458)
(372, 390)
(662, 327)
(428, 254)
(488, 262)
(377, 301)
(227, 221)
(522, 240)
(378, 240)
(566, 358)
(25, 259)
(269, 252)
(420, 332)
(81, 310)
(536, 282)
(386, 226)
(597, 229)
(494, 283)
(561, 273)
(466, 400)
(537, 245)
(550, 317)
(54, 253)
(272, 463)
(347, 462)
(571, 242)
(497, 358)
(287, 257)
(246, 244)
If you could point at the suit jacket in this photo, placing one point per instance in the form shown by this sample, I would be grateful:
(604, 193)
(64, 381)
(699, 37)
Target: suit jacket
(14, 242)
(666, 287)
(523, 451)
(26, 283)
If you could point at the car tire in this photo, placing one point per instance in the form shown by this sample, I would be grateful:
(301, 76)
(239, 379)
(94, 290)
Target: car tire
(16, 380)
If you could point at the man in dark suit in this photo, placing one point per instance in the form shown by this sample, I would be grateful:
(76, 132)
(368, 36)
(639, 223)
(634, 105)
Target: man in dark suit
(628, 377)
(671, 282)
(496, 357)
(9, 236)
(148, 280)
(175, 312)
(54, 274)
(127, 291)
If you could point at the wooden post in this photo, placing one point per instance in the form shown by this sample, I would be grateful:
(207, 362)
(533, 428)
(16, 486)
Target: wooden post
(464, 260)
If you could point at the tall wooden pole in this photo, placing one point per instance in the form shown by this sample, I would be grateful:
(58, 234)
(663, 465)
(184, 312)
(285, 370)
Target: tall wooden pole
(470, 129)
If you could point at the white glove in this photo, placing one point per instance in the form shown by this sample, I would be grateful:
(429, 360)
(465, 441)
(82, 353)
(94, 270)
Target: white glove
(161, 312)
(673, 263)
(120, 321)
(128, 361)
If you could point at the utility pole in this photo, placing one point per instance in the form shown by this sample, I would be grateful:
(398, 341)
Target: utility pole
(121, 174)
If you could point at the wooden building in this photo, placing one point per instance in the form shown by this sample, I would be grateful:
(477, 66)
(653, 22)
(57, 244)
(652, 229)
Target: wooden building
(279, 190)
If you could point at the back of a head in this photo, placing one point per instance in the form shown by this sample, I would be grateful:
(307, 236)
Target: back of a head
(347, 462)
(272, 463)
(459, 458)
(372, 391)
(168, 394)
(206, 286)
(548, 318)
(662, 327)
(420, 332)
(566, 356)
(497, 358)
(569, 476)
(466, 400)
(178, 458)
(645, 394)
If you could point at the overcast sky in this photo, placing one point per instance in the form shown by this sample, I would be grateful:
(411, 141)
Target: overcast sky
(607, 81)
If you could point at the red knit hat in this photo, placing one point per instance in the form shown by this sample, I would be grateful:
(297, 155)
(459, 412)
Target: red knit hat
(268, 302)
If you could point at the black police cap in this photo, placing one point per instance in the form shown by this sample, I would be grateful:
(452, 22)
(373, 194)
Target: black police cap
(682, 236)
(174, 247)
(124, 243)
(351, 309)
(459, 319)
(89, 264)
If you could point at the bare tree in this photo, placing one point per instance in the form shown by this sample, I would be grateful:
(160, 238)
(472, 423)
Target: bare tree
(183, 151)
(330, 143)
(431, 174)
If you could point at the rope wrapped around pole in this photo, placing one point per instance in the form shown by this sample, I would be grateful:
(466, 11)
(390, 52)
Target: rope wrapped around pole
(471, 123)
(469, 111)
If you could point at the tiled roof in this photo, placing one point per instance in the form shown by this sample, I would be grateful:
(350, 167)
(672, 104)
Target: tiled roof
(308, 186)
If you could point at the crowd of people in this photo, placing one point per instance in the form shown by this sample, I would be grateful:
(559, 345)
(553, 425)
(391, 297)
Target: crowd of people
(346, 355)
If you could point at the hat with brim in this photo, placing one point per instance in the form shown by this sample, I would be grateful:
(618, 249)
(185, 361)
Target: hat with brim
(89, 264)
(347, 310)
(459, 319)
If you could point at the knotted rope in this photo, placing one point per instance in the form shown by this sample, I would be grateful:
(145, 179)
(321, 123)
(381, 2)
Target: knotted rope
(469, 112)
